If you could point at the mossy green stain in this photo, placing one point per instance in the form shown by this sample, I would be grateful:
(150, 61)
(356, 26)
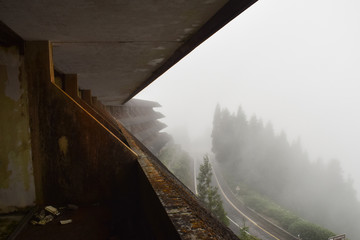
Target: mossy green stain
(15, 148)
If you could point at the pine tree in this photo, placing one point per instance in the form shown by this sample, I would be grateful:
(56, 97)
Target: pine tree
(244, 232)
(204, 180)
(209, 194)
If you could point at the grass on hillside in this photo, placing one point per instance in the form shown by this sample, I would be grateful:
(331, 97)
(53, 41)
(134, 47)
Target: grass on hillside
(280, 216)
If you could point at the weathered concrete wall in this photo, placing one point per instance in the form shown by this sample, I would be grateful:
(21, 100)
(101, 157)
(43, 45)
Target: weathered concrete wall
(76, 158)
(81, 161)
(16, 173)
(70, 86)
(161, 191)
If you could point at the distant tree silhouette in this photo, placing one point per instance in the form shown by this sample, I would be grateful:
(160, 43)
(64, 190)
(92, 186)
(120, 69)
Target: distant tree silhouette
(249, 152)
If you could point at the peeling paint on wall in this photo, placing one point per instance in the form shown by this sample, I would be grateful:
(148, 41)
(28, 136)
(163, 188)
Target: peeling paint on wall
(16, 173)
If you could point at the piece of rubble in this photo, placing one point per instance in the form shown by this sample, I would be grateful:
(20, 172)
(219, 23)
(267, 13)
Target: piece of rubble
(46, 220)
(33, 222)
(67, 221)
(52, 210)
(40, 215)
(42, 220)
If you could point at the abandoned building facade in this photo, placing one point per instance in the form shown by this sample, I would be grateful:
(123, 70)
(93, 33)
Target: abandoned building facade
(71, 131)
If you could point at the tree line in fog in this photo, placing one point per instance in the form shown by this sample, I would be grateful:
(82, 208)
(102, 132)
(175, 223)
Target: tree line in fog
(249, 151)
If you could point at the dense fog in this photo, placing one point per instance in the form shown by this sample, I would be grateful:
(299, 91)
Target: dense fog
(292, 63)
(248, 151)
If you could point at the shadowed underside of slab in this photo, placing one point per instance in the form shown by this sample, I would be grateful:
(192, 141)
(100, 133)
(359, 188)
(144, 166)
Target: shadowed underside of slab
(119, 47)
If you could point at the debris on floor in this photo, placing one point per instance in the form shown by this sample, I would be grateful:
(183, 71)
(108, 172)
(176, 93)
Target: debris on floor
(52, 210)
(42, 218)
(67, 221)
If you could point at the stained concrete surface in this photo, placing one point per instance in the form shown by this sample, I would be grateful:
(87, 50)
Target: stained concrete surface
(16, 174)
(190, 219)
(121, 219)
(8, 224)
(113, 46)
(92, 164)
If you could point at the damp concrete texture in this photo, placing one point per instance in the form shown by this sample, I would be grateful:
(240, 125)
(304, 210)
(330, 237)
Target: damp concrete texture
(16, 173)
(133, 38)
(115, 49)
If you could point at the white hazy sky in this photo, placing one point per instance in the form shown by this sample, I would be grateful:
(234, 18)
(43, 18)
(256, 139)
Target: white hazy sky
(294, 63)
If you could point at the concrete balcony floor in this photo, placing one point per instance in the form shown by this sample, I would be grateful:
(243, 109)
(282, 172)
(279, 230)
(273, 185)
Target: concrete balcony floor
(113, 221)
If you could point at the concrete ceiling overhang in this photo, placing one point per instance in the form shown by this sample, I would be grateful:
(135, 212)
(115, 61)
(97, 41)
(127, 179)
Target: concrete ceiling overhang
(118, 47)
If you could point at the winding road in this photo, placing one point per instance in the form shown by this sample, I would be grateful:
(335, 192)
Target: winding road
(239, 214)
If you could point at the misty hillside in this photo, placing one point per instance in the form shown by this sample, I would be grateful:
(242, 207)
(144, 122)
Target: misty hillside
(179, 162)
(250, 152)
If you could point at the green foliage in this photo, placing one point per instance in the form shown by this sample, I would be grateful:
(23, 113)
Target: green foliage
(284, 218)
(249, 151)
(215, 205)
(178, 162)
(309, 231)
(204, 180)
(266, 207)
(209, 194)
(244, 233)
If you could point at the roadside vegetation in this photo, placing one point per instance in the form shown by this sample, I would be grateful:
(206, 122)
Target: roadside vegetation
(251, 152)
(244, 233)
(208, 194)
(178, 162)
(280, 216)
